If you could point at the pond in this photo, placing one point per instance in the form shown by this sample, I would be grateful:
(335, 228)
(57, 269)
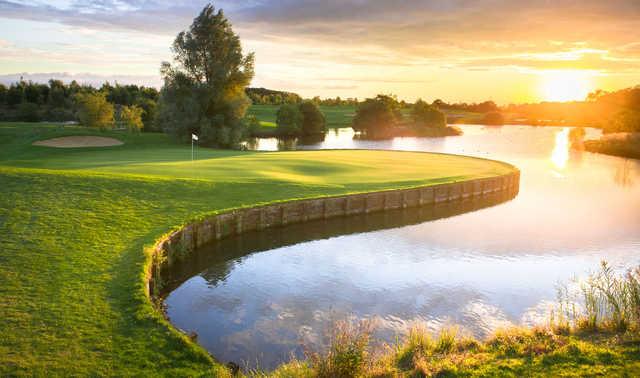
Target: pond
(262, 297)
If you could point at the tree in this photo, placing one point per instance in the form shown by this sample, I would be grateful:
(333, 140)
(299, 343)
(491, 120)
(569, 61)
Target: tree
(376, 117)
(3, 94)
(625, 120)
(28, 112)
(425, 115)
(493, 118)
(289, 120)
(131, 118)
(313, 121)
(204, 91)
(15, 94)
(94, 110)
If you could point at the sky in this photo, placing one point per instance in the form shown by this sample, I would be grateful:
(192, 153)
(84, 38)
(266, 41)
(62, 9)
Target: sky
(455, 50)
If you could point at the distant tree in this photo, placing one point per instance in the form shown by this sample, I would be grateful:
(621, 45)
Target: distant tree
(204, 92)
(57, 94)
(15, 94)
(289, 120)
(94, 110)
(149, 107)
(131, 118)
(28, 112)
(313, 121)
(438, 103)
(577, 134)
(625, 120)
(425, 115)
(3, 94)
(493, 118)
(377, 116)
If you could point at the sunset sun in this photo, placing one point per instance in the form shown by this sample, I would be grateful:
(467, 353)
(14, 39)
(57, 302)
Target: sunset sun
(566, 85)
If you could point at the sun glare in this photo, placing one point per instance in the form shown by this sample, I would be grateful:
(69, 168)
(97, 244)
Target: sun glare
(560, 153)
(566, 85)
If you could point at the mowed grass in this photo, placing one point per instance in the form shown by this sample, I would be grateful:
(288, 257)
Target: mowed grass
(74, 224)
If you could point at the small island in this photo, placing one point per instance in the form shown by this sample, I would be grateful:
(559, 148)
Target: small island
(381, 117)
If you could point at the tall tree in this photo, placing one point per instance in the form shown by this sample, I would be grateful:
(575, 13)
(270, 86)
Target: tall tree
(204, 91)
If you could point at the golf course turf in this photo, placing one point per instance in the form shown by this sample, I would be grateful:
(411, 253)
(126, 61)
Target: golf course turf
(74, 224)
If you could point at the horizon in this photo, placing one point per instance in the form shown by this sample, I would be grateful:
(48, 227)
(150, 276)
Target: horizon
(471, 51)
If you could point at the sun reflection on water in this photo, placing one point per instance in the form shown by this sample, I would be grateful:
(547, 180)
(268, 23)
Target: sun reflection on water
(560, 153)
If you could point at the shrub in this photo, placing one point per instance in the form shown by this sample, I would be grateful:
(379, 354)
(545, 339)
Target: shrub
(289, 120)
(28, 112)
(313, 122)
(131, 118)
(375, 117)
(493, 118)
(94, 110)
(425, 115)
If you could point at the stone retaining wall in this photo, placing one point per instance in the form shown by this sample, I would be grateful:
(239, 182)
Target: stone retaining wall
(179, 244)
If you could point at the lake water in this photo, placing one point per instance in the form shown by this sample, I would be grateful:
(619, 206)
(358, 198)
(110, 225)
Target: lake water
(258, 298)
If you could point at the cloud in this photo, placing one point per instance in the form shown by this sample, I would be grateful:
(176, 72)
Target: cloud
(592, 60)
(303, 44)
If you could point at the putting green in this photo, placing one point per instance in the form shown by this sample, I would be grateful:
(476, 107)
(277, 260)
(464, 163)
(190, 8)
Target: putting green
(74, 224)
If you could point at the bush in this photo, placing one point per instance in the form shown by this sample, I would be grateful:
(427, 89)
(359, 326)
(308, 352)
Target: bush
(376, 117)
(289, 120)
(626, 120)
(493, 118)
(131, 118)
(313, 122)
(94, 110)
(28, 112)
(425, 115)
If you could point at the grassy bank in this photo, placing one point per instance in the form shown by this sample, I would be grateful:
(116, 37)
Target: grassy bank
(74, 223)
(624, 146)
(593, 331)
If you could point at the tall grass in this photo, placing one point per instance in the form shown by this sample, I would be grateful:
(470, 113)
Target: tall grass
(348, 352)
(605, 300)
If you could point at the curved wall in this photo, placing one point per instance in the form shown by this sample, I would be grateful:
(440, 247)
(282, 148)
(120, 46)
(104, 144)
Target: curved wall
(179, 244)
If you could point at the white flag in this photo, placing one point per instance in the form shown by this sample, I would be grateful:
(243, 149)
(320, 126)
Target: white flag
(194, 137)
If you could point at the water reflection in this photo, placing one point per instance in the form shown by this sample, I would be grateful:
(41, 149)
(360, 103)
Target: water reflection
(484, 269)
(560, 154)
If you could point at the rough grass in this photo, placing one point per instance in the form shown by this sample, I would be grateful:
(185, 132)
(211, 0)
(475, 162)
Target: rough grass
(74, 223)
(577, 348)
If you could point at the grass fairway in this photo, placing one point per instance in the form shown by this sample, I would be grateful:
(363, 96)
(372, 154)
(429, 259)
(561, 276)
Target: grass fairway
(74, 222)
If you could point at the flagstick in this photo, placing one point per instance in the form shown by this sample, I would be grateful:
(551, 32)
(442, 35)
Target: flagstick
(191, 148)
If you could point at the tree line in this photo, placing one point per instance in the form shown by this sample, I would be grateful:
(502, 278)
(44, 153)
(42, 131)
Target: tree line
(205, 92)
(59, 102)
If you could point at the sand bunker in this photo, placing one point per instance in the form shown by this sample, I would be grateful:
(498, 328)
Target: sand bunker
(79, 141)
